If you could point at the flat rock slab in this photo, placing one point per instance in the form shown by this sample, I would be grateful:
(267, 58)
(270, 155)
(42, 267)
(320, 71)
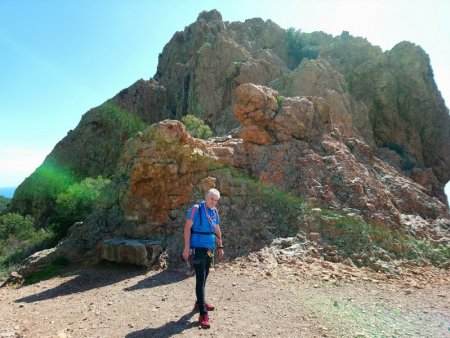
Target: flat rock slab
(130, 251)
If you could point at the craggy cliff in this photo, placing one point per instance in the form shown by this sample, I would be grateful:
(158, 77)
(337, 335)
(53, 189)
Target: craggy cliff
(331, 120)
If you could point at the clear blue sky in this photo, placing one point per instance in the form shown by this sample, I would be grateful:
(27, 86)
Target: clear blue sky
(60, 58)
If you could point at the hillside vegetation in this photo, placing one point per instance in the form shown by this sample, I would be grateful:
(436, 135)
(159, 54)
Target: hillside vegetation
(4, 201)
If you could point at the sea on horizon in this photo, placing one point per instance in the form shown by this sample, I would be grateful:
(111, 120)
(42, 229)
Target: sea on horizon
(7, 191)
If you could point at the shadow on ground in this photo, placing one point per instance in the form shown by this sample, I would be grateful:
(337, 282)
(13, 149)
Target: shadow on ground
(86, 279)
(167, 330)
(164, 277)
(105, 274)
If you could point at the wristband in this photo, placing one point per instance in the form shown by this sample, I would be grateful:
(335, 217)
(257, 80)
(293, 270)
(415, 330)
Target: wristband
(220, 247)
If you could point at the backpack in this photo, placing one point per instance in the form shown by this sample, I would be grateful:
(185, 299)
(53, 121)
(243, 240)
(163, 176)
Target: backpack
(200, 215)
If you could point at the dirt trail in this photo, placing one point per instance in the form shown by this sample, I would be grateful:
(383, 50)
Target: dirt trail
(288, 301)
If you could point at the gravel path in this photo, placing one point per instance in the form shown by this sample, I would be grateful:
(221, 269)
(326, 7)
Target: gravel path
(300, 300)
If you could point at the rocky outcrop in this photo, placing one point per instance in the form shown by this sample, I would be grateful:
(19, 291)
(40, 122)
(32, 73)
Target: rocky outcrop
(288, 143)
(35, 263)
(267, 118)
(202, 65)
(291, 150)
(162, 173)
(146, 100)
(297, 147)
(318, 78)
(372, 95)
(128, 251)
(398, 93)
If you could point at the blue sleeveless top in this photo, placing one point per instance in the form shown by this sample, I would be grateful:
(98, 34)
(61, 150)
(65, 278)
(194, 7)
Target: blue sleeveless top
(205, 222)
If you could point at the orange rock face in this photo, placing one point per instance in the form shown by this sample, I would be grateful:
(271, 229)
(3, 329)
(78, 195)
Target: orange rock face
(290, 143)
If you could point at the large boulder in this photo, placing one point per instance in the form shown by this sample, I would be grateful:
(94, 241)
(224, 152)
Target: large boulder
(130, 251)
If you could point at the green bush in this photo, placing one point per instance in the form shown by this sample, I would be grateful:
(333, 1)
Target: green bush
(280, 102)
(121, 119)
(78, 201)
(196, 127)
(17, 225)
(18, 236)
(19, 239)
(300, 45)
(4, 203)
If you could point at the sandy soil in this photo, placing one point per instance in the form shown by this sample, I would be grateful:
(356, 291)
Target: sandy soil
(289, 300)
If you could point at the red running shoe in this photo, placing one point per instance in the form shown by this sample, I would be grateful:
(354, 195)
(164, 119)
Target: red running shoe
(209, 307)
(204, 321)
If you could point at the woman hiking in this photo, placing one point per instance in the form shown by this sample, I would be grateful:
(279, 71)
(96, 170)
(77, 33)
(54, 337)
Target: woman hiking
(201, 232)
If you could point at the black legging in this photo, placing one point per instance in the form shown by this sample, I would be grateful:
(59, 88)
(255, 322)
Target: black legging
(202, 262)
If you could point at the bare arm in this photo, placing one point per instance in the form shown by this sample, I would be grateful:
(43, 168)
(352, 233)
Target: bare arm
(218, 235)
(187, 239)
(219, 240)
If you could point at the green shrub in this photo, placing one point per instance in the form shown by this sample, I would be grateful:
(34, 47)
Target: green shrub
(300, 45)
(19, 239)
(4, 203)
(121, 119)
(22, 227)
(280, 102)
(18, 236)
(196, 127)
(78, 201)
